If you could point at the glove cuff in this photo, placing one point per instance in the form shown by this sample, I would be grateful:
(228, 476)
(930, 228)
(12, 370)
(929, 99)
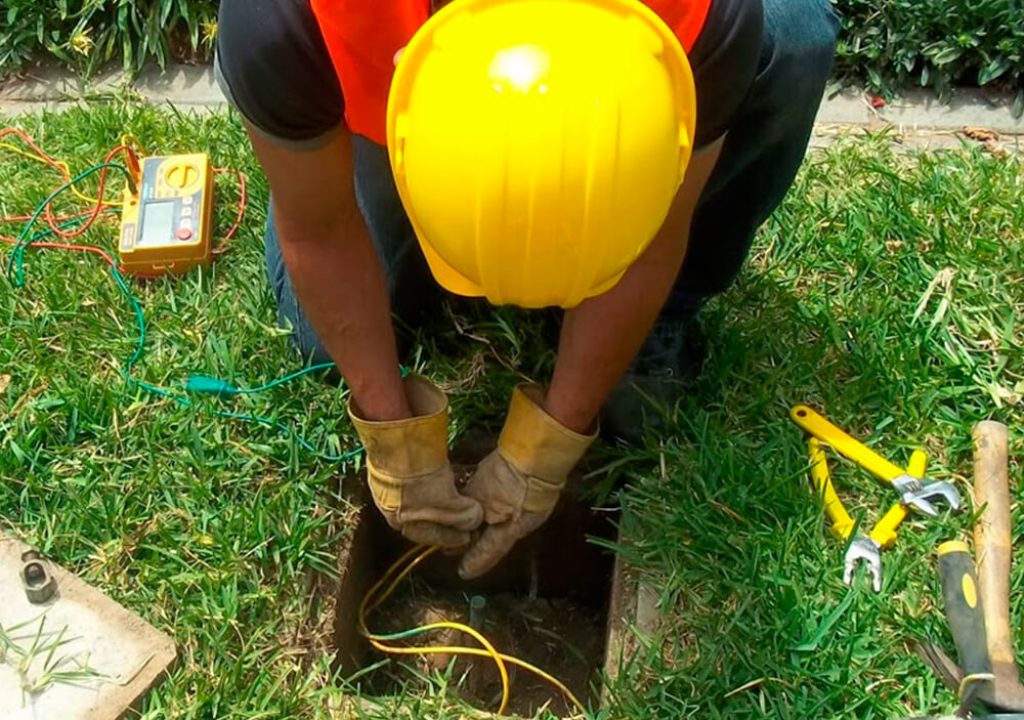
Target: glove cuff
(538, 446)
(403, 449)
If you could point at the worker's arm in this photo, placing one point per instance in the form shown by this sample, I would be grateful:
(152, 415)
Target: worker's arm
(340, 284)
(601, 337)
(334, 267)
(544, 437)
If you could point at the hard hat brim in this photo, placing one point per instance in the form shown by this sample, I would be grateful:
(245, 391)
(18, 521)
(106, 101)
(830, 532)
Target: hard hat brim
(448, 277)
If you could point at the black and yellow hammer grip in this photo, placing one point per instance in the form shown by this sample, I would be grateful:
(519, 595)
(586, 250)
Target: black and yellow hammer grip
(964, 612)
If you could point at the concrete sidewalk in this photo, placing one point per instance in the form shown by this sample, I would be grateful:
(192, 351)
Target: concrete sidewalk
(921, 110)
(919, 120)
(184, 86)
(915, 116)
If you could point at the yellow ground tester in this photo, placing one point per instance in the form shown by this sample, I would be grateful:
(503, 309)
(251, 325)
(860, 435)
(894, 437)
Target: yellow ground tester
(166, 227)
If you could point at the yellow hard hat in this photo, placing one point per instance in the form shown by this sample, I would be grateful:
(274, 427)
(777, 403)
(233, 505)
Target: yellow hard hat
(538, 144)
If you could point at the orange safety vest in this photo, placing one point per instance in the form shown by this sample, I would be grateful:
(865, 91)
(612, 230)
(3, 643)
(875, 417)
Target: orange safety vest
(362, 37)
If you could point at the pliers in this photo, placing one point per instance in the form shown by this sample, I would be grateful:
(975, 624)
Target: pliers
(916, 492)
(863, 548)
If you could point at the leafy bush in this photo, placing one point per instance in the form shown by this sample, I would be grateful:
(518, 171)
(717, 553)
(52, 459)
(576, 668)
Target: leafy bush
(894, 44)
(88, 33)
(890, 44)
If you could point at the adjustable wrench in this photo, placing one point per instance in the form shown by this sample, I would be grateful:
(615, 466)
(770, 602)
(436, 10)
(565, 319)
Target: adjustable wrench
(915, 491)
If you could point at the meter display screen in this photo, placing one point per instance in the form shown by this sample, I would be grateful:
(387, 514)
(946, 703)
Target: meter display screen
(157, 224)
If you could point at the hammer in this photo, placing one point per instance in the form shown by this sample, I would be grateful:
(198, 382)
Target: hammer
(992, 541)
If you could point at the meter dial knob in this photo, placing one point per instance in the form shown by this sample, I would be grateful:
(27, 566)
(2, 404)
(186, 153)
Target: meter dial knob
(181, 175)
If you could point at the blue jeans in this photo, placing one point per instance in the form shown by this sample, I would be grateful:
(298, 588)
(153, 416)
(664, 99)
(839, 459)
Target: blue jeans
(759, 161)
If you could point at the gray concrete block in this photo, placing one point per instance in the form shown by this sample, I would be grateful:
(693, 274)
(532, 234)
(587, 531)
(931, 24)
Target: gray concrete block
(123, 654)
(920, 110)
(191, 85)
(55, 88)
(194, 87)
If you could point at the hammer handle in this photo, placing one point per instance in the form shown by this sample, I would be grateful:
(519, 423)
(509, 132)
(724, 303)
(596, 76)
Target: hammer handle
(964, 611)
(992, 536)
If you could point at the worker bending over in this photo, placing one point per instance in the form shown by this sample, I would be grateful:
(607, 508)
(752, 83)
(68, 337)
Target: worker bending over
(610, 157)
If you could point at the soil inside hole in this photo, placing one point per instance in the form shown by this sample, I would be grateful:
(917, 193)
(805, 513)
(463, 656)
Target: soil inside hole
(558, 636)
(547, 604)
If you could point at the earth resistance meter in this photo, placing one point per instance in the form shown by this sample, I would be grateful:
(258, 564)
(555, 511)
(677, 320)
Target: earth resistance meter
(166, 227)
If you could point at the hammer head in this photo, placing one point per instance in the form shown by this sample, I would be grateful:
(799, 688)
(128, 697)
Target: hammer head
(1004, 694)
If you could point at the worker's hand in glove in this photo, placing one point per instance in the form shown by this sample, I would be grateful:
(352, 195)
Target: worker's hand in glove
(409, 475)
(518, 484)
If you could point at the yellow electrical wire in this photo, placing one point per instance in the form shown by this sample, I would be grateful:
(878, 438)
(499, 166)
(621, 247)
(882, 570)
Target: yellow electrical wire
(60, 165)
(377, 640)
(134, 143)
(414, 557)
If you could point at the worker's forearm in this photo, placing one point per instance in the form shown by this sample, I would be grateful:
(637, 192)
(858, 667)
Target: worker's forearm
(602, 336)
(334, 268)
(342, 290)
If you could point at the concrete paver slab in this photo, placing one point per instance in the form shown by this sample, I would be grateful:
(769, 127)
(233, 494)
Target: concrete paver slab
(122, 655)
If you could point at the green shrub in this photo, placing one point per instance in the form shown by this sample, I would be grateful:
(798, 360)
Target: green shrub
(88, 33)
(889, 44)
(895, 44)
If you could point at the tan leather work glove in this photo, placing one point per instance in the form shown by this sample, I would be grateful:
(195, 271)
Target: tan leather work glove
(408, 471)
(518, 484)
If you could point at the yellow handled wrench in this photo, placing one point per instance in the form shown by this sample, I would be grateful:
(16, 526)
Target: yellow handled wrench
(863, 548)
(916, 491)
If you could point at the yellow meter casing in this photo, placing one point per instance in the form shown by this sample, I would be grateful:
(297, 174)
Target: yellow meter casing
(166, 228)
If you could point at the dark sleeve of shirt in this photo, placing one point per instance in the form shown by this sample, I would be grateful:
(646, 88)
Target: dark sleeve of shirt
(273, 66)
(724, 61)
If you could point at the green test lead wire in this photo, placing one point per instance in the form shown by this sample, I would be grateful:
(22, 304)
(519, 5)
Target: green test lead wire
(206, 385)
(16, 260)
(16, 275)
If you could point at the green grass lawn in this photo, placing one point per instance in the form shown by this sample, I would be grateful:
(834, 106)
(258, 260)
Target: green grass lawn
(888, 290)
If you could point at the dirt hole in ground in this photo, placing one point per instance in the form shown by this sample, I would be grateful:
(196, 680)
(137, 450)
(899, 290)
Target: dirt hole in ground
(547, 604)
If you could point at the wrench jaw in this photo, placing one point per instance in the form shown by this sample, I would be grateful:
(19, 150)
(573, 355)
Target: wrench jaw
(864, 550)
(920, 504)
(925, 499)
(923, 496)
(938, 492)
